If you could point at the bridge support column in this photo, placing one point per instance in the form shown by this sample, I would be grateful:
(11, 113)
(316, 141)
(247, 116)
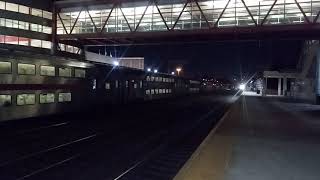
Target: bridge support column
(285, 88)
(279, 86)
(318, 77)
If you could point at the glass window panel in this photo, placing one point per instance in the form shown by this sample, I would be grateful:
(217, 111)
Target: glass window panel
(5, 100)
(24, 41)
(26, 99)
(46, 44)
(107, 86)
(47, 70)
(47, 15)
(2, 5)
(147, 91)
(12, 7)
(65, 72)
(23, 9)
(80, 73)
(35, 43)
(36, 12)
(26, 69)
(5, 67)
(47, 98)
(64, 97)
(11, 40)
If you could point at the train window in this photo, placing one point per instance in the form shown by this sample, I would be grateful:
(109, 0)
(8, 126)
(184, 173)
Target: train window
(127, 84)
(80, 73)
(46, 98)
(167, 90)
(64, 97)
(47, 71)
(135, 85)
(160, 79)
(156, 79)
(65, 72)
(26, 69)
(107, 86)
(148, 78)
(156, 91)
(170, 90)
(152, 78)
(152, 91)
(5, 100)
(147, 91)
(141, 84)
(117, 83)
(5, 67)
(26, 99)
(160, 91)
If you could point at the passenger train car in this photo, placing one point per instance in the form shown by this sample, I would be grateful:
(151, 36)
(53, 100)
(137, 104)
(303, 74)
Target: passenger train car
(33, 86)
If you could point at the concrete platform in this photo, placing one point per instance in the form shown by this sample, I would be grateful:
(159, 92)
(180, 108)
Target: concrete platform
(260, 139)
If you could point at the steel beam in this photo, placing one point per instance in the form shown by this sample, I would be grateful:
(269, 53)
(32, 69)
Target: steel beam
(105, 23)
(164, 21)
(304, 14)
(64, 27)
(125, 18)
(144, 12)
(265, 18)
(75, 22)
(94, 24)
(249, 12)
(175, 23)
(224, 9)
(205, 18)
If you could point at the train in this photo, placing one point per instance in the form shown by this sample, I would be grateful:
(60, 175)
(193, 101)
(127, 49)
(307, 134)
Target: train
(39, 85)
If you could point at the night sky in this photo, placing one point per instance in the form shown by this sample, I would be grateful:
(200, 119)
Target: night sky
(217, 58)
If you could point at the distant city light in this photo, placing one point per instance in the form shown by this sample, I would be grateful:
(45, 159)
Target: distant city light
(149, 69)
(172, 73)
(242, 87)
(116, 63)
(155, 71)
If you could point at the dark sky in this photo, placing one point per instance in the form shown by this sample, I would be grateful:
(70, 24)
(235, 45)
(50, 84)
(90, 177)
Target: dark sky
(218, 58)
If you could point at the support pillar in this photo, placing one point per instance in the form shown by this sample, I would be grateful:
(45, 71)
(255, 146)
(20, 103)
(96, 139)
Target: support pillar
(54, 43)
(318, 77)
(285, 88)
(279, 86)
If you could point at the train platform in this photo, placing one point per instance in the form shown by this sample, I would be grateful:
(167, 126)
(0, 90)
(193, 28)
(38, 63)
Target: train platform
(260, 138)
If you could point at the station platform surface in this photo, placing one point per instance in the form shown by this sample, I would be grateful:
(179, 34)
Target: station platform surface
(260, 138)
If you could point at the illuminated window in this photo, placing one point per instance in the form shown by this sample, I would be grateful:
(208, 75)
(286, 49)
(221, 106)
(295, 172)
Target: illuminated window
(64, 97)
(5, 100)
(94, 84)
(23, 9)
(12, 7)
(152, 78)
(141, 84)
(147, 92)
(127, 84)
(47, 70)
(26, 69)
(65, 72)
(148, 78)
(117, 83)
(135, 85)
(2, 5)
(36, 12)
(26, 99)
(47, 98)
(152, 91)
(5, 67)
(79, 73)
(160, 91)
(107, 86)
(156, 91)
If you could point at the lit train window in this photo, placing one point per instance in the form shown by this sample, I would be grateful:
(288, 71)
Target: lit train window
(5, 100)
(5, 67)
(135, 85)
(65, 72)
(160, 79)
(127, 84)
(94, 84)
(64, 97)
(156, 91)
(79, 73)
(46, 98)
(148, 78)
(107, 86)
(170, 90)
(141, 84)
(160, 91)
(26, 69)
(117, 83)
(147, 92)
(152, 91)
(167, 90)
(47, 70)
(26, 99)
(152, 78)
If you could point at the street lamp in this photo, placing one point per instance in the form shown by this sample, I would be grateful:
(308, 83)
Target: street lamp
(155, 71)
(149, 69)
(172, 73)
(178, 70)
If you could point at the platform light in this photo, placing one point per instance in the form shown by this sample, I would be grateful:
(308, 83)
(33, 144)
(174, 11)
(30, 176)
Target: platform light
(155, 71)
(178, 70)
(242, 87)
(172, 73)
(116, 63)
(149, 69)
